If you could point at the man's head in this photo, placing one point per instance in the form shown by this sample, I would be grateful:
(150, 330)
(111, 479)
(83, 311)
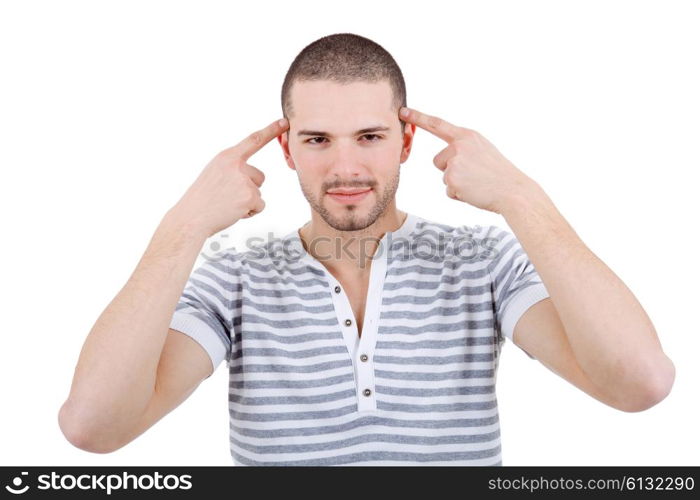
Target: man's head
(342, 95)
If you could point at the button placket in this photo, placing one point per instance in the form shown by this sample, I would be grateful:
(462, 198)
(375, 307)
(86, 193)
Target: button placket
(365, 349)
(362, 348)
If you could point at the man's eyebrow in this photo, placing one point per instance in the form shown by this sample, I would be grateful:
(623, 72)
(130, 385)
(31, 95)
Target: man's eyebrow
(318, 133)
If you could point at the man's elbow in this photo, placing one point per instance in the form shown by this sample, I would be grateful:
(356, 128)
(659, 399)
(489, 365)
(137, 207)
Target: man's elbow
(76, 433)
(654, 389)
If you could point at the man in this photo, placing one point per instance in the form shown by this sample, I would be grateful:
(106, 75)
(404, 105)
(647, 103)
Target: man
(369, 336)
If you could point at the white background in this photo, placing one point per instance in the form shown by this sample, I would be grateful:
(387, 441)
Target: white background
(109, 111)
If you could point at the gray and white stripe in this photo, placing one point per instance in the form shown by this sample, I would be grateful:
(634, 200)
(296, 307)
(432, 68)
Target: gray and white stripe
(293, 390)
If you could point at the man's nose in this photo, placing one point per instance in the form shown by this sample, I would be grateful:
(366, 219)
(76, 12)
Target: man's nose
(346, 159)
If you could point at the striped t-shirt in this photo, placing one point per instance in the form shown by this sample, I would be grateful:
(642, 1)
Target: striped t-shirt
(416, 388)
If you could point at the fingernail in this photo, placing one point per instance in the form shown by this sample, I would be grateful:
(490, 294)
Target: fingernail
(404, 111)
(283, 122)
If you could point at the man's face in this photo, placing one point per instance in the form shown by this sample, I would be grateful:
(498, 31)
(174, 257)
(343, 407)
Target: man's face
(346, 137)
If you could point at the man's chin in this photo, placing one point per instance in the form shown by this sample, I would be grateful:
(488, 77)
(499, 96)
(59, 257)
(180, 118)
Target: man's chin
(343, 218)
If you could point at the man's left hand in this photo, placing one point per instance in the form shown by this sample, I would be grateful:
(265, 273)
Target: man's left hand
(475, 172)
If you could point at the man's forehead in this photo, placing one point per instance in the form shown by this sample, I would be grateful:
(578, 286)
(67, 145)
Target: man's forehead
(324, 107)
(323, 95)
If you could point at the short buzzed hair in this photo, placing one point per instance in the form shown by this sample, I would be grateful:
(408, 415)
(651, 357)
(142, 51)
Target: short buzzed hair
(344, 58)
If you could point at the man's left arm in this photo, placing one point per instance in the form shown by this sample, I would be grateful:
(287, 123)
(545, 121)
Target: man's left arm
(591, 330)
(610, 335)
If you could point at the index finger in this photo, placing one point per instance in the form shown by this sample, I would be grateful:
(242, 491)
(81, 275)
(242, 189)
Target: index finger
(255, 141)
(437, 126)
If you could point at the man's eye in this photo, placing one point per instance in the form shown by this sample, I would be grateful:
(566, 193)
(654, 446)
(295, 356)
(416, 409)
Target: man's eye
(377, 137)
(313, 138)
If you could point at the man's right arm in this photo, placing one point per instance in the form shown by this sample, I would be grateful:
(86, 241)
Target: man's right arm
(133, 368)
(115, 379)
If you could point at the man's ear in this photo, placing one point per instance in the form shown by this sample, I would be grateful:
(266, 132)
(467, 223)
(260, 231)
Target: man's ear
(408, 134)
(284, 143)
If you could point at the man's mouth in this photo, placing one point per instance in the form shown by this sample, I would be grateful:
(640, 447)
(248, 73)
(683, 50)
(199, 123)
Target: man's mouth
(348, 190)
(346, 195)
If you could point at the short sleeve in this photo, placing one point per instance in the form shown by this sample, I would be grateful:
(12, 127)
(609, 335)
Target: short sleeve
(515, 283)
(210, 304)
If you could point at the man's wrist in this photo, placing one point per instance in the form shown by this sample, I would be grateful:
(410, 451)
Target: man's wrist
(526, 197)
(173, 221)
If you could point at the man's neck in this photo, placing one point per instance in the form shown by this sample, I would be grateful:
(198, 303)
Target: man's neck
(348, 253)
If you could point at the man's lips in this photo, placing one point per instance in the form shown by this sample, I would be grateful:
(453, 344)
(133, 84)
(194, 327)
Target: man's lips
(348, 191)
(349, 196)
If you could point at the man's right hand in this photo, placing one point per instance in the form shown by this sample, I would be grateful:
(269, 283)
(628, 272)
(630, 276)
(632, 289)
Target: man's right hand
(227, 190)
